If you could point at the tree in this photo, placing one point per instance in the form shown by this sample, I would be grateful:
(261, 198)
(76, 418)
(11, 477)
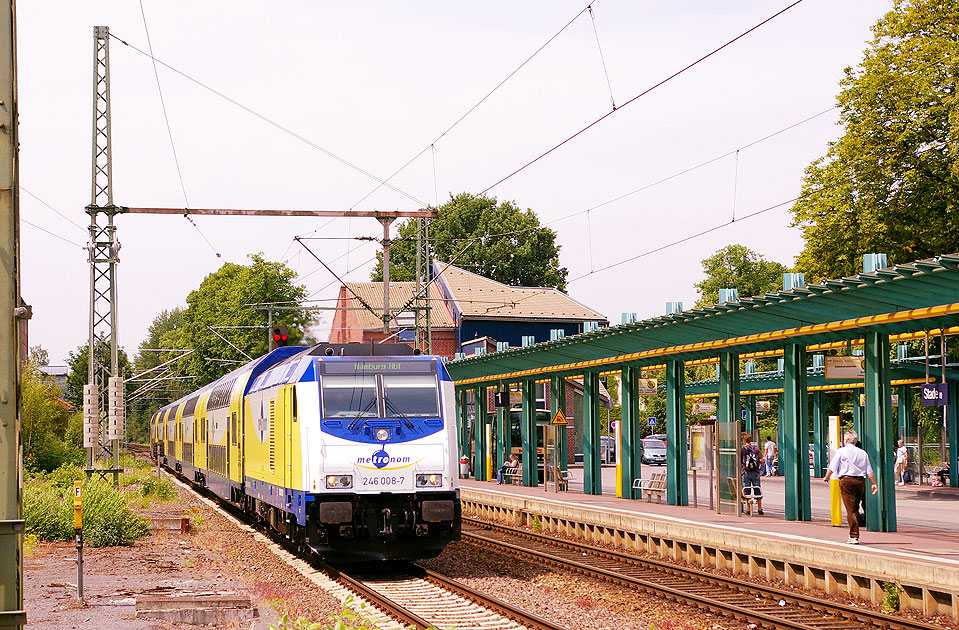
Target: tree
(495, 240)
(220, 313)
(890, 183)
(44, 418)
(737, 266)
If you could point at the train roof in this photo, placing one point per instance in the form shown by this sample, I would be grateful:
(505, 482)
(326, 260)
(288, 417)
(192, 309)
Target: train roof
(291, 364)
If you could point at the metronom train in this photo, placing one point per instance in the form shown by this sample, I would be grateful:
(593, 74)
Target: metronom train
(350, 449)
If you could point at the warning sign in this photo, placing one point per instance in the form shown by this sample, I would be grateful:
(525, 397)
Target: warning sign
(559, 418)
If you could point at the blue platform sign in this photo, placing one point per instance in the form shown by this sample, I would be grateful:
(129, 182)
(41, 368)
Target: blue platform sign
(745, 414)
(652, 421)
(935, 395)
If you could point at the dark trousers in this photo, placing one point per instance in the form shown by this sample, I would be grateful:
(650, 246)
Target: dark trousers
(852, 490)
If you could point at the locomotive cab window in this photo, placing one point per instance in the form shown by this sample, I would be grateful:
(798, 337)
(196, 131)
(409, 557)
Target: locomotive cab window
(411, 395)
(349, 396)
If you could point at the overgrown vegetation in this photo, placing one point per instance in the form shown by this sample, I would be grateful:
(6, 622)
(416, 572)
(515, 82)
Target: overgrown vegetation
(890, 597)
(108, 518)
(347, 619)
(47, 419)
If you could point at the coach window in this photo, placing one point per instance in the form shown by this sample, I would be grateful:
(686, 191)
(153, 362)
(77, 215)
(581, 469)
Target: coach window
(233, 428)
(411, 395)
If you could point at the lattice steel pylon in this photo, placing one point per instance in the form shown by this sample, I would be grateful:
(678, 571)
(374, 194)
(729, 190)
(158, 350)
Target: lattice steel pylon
(100, 439)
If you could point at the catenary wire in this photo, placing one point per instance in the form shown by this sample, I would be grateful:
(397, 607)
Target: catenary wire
(22, 189)
(592, 18)
(169, 130)
(273, 123)
(684, 239)
(473, 108)
(640, 95)
(65, 240)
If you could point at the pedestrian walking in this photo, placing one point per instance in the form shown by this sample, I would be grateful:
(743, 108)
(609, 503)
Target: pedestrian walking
(902, 461)
(851, 465)
(770, 449)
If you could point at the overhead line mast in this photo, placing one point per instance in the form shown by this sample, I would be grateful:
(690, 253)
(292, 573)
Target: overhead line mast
(101, 432)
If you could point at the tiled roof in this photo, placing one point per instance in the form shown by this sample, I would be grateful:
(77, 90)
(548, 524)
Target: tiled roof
(400, 294)
(479, 297)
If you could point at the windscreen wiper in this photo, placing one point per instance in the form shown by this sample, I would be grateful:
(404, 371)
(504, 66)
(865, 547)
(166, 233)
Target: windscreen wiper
(391, 408)
(359, 415)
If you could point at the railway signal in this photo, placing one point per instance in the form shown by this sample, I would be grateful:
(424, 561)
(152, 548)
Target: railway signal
(281, 334)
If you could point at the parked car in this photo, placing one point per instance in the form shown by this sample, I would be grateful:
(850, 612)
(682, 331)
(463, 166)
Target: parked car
(653, 451)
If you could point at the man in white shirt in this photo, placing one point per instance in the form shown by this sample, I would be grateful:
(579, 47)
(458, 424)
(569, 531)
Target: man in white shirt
(769, 449)
(902, 460)
(851, 465)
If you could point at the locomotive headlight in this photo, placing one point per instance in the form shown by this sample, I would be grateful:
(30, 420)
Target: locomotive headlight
(339, 481)
(423, 481)
(382, 434)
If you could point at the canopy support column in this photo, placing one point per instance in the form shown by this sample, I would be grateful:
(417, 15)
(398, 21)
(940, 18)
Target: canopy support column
(904, 415)
(479, 434)
(527, 428)
(592, 463)
(876, 437)
(629, 453)
(676, 477)
(750, 423)
(462, 417)
(793, 459)
(952, 433)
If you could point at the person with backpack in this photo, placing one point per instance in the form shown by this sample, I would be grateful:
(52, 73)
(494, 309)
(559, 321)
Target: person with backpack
(750, 459)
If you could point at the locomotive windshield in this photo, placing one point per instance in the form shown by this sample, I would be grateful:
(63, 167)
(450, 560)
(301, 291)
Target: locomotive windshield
(349, 396)
(411, 395)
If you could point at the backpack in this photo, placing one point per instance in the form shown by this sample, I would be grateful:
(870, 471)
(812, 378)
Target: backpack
(752, 461)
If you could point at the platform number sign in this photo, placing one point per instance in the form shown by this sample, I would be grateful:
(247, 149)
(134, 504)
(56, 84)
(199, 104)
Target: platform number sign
(652, 421)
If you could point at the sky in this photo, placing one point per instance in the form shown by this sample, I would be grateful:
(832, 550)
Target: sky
(375, 84)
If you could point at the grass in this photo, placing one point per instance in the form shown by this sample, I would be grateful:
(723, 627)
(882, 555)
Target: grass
(890, 597)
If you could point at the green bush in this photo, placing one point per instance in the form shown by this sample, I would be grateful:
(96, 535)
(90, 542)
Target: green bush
(64, 476)
(47, 512)
(107, 518)
(160, 488)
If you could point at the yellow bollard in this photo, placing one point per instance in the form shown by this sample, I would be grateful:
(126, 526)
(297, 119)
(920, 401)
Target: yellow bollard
(835, 503)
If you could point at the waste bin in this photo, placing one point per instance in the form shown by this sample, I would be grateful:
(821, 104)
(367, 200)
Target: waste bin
(464, 466)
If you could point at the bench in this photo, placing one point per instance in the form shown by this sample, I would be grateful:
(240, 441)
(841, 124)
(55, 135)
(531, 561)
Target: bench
(562, 478)
(514, 475)
(655, 485)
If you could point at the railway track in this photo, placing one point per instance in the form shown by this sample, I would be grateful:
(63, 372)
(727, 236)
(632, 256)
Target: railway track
(413, 596)
(767, 608)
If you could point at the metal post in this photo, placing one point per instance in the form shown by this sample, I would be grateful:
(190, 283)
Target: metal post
(557, 390)
(592, 462)
(103, 249)
(793, 460)
(677, 482)
(630, 461)
(528, 432)
(876, 437)
(502, 429)
(820, 429)
(386, 274)
(11, 464)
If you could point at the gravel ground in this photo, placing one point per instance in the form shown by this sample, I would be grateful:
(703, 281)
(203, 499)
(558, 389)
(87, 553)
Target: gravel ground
(215, 557)
(218, 557)
(572, 600)
(581, 602)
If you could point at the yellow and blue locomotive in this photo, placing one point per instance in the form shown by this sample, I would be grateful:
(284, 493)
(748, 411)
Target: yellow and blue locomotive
(348, 452)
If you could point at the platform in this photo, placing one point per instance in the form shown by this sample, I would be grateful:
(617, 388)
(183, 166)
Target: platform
(922, 556)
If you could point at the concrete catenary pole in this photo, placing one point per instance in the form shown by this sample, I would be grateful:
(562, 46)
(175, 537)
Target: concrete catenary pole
(11, 314)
